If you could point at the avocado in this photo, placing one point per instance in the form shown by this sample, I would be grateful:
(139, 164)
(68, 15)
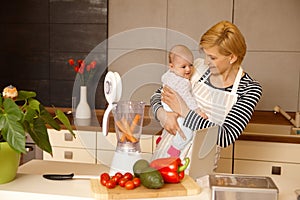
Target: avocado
(151, 178)
(139, 165)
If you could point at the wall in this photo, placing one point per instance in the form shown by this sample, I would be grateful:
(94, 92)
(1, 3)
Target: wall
(39, 36)
(271, 29)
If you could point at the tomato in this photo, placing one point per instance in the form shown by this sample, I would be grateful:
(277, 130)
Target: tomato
(119, 174)
(115, 178)
(122, 181)
(129, 185)
(136, 181)
(104, 176)
(110, 184)
(103, 182)
(128, 175)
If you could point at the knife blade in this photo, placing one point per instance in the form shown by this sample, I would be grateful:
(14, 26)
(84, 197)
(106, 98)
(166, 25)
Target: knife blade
(61, 177)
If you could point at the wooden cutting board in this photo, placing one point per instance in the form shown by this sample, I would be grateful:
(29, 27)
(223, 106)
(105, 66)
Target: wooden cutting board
(186, 187)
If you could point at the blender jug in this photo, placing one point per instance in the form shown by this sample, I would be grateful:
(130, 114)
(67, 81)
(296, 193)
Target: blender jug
(128, 118)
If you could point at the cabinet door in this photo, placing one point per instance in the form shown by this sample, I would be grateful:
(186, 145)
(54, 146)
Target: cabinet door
(224, 165)
(225, 161)
(68, 154)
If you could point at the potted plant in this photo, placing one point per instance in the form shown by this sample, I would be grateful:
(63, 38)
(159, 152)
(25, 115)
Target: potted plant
(20, 114)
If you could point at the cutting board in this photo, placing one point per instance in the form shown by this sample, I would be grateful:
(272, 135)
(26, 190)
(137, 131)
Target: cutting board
(186, 187)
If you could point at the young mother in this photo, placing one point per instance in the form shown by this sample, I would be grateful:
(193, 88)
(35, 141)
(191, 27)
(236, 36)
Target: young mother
(225, 93)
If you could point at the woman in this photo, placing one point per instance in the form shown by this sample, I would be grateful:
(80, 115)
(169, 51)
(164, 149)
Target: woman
(224, 92)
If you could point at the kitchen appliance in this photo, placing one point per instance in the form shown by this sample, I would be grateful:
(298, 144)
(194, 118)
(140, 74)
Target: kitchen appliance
(128, 118)
(242, 187)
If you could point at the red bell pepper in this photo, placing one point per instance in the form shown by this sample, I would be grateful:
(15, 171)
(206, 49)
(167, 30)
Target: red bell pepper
(171, 169)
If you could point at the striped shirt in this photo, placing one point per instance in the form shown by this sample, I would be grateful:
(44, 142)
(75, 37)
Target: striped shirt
(249, 92)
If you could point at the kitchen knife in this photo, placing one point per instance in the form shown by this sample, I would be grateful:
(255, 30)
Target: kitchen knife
(61, 177)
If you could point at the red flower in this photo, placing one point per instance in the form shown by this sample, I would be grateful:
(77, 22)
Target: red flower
(85, 71)
(71, 62)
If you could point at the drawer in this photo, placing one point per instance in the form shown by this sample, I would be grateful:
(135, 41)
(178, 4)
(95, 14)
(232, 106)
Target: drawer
(72, 155)
(108, 142)
(267, 151)
(84, 139)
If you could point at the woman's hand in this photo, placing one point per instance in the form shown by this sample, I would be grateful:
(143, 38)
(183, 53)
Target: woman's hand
(168, 120)
(174, 101)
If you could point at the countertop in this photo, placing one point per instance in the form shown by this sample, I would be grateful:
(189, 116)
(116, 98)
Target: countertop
(29, 183)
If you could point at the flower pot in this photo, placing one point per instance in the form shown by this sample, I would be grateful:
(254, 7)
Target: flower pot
(83, 110)
(9, 163)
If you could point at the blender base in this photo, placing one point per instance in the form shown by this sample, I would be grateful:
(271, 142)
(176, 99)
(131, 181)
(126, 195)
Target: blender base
(123, 162)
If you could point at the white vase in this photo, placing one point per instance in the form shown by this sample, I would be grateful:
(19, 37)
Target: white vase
(83, 110)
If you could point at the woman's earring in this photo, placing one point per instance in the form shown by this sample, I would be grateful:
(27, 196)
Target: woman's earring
(230, 62)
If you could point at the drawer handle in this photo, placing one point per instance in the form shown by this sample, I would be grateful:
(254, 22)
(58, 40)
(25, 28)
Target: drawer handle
(68, 137)
(69, 155)
(276, 170)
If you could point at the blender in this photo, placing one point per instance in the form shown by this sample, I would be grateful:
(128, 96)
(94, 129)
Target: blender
(128, 118)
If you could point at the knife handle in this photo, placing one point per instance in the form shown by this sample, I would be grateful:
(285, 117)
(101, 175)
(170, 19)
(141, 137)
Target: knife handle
(58, 176)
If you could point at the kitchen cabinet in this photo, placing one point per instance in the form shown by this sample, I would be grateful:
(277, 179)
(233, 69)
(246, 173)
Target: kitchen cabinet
(280, 161)
(225, 161)
(89, 146)
(67, 148)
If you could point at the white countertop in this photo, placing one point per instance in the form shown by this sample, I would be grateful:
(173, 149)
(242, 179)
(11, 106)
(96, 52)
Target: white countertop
(29, 183)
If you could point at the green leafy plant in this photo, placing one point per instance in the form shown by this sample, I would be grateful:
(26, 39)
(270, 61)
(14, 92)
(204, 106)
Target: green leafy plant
(25, 114)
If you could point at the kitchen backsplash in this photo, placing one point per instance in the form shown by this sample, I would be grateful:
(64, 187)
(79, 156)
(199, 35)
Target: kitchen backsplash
(39, 36)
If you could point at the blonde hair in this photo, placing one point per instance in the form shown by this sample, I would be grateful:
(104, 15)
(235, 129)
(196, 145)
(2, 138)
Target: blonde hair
(228, 38)
(181, 51)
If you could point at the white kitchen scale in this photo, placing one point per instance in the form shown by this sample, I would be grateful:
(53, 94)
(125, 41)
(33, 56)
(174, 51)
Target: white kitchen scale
(123, 159)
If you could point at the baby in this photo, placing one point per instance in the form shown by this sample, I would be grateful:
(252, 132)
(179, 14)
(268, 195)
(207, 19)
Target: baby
(178, 78)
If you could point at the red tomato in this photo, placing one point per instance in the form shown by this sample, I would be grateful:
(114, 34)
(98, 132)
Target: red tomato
(119, 174)
(103, 182)
(136, 181)
(104, 176)
(129, 185)
(128, 175)
(111, 184)
(122, 181)
(116, 179)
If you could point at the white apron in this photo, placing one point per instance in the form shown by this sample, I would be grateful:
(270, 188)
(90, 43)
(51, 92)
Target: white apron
(214, 103)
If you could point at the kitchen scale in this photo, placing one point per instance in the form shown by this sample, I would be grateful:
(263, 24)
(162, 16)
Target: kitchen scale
(128, 118)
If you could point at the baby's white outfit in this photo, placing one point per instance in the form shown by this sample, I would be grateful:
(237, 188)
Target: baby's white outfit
(183, 87)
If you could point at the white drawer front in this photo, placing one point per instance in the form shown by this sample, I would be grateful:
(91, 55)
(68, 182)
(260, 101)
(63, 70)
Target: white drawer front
(267, 151)
(108, 142)
(84, 139)
(71, 155)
